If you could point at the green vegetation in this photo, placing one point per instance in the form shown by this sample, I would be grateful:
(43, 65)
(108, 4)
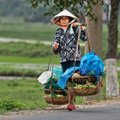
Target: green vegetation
(22, 9)
(31, 31)
(32, 60)
(25, 49)
(20, 95)
(118, 62)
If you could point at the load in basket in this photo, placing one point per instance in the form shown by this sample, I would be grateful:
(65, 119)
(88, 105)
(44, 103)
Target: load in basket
(85, 85)
(54, 94)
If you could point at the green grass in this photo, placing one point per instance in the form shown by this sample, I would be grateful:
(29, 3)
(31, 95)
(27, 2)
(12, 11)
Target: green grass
(35, 31)
(39, 60)
(23, 94)
(118, 63)
(21, 66)
(25, 49)
(27, 94)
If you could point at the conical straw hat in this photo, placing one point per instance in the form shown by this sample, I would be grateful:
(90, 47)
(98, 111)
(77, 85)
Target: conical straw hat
(63, 13)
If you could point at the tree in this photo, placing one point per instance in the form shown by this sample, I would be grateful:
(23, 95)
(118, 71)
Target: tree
(72, 5)
(111, 55)
(81, 8)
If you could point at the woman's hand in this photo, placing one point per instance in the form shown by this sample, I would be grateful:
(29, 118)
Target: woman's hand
(55, 45)
(82, 26)
(76, 24)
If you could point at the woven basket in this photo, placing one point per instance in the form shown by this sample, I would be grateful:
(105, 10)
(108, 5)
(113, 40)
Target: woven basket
(48, 91)
(83, 79)
(56, 100)
(86, 91)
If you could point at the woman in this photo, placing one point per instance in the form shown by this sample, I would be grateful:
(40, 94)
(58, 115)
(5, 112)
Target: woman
(65, 43)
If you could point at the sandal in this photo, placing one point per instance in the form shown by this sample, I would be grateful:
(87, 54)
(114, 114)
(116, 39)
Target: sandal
(71, 107)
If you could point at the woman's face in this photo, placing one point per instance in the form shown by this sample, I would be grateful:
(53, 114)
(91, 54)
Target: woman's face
(64, 20)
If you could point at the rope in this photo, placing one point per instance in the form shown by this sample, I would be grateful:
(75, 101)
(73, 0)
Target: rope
(48, 68)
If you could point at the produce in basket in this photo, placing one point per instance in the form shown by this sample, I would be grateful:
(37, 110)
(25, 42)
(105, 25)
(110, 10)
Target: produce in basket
(77, 78)
(85, 90)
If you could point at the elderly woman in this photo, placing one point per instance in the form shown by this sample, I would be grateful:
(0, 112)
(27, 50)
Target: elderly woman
(65, 43)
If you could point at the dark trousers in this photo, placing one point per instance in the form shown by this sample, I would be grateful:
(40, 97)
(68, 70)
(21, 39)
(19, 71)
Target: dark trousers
(66, 65)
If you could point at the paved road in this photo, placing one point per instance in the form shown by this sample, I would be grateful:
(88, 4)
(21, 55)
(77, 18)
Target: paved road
(111, 112)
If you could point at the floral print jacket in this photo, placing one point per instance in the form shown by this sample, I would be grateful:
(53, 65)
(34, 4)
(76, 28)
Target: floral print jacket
(67, 43)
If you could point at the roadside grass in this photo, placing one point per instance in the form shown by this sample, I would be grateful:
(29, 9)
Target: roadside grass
(21, 94)
(28, 94)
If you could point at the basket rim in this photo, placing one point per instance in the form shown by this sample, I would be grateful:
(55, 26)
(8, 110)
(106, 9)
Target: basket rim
(60, 91)
(83, 76)
(62, 100)
(79, 91)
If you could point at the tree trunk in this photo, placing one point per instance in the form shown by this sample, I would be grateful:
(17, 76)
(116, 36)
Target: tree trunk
(113, 30)
(111, 55)
(112, 88)
(95, 30)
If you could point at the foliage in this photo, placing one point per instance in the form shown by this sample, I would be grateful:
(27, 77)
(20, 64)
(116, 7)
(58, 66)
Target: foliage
(21, 94)
(30, 31)
(72, 5)
(11, 104)
(25, 49)
(21, 9)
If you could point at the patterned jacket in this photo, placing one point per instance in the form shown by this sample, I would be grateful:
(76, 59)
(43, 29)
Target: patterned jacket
(67, 44)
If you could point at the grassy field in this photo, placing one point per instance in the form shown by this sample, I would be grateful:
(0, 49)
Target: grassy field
(31, 31)
(21, 94)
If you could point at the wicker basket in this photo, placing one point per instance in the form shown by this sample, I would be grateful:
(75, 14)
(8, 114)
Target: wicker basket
(86, 91)
(56, 100)
(61, 92)
(83, 79)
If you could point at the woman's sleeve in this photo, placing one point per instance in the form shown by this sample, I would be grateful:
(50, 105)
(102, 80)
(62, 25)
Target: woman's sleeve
(57, 39)
(83, 35)
(57, 35)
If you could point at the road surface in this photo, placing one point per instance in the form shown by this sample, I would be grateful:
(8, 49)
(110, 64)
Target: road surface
(109, 112)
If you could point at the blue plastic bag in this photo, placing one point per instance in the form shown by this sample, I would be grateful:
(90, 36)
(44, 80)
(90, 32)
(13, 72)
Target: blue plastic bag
(92, 65)
(62, 81)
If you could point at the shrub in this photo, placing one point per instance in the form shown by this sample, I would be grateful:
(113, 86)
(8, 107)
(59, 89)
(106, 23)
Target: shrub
(10, 104)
